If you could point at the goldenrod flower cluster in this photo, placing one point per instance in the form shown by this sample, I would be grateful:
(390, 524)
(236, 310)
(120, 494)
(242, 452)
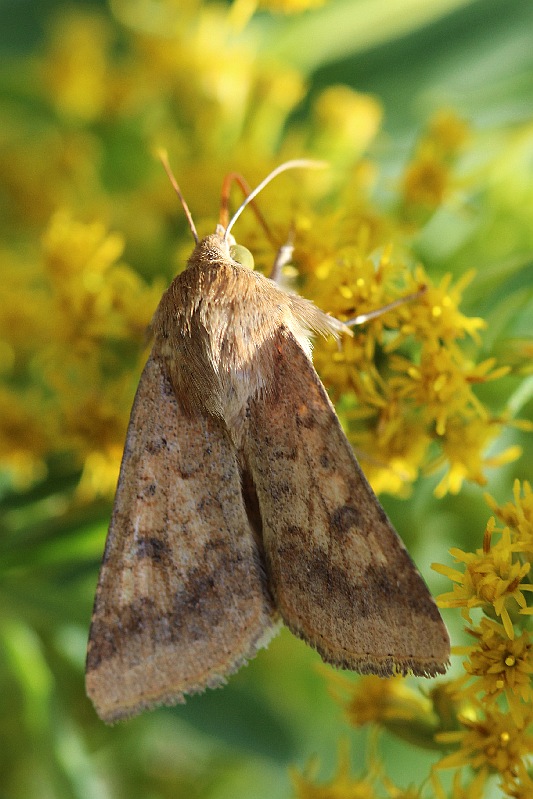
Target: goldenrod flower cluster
(484, 716)
(496, 733)
(85, 297)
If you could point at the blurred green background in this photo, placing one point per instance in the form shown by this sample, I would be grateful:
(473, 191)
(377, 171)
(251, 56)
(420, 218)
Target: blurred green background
(416, 57)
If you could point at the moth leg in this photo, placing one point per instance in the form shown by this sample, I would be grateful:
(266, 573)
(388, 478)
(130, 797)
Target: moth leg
(360, 319)
(283, 257)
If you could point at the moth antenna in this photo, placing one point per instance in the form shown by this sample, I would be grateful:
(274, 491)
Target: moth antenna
(246, 190)
(365, 317)
(297, 163)
(163, 157)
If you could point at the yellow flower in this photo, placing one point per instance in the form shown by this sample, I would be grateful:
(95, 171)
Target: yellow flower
(348, 285)
(76, 69)
(492, 578)
(463, 453)
(440, 384)
(501, 666)
(425, 181)
(447, 132)
(428, 178)
(341, 786)
(93, 419)
(94, 297)
(435, 316)
(92, 314)
(24, 440)
(25, 313)
(474, 790)
(344, 124)
(290, 6)
(411, 399)
(393, 450)
(490, 742)
(99, 475)
(521, 788)
(391, 704)
(393, 792)
(375, 700)
(344, 786)
(518, 516)
(74, 248)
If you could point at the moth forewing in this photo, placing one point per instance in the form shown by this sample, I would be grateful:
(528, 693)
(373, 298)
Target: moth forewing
(340, 575)
(182, 599)
(239, 499)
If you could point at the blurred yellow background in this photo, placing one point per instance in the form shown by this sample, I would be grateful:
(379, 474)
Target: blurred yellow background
(423, 110)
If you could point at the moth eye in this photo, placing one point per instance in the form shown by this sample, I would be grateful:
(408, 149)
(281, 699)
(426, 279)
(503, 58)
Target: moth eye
(243, 256)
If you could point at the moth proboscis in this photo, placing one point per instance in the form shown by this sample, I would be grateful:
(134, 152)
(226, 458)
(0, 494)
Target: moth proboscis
(240, 503)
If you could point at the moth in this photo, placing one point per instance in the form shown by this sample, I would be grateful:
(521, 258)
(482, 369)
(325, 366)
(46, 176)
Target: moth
(240, 504)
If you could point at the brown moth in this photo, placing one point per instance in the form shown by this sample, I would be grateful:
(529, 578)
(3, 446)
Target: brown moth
(240, 503)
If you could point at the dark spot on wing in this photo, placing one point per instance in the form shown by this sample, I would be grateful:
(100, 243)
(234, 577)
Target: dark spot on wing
(305, 417)
(312, 584)
(198, 609)
(154, 548)
(344, 519)
(153, 446)
(108, 638)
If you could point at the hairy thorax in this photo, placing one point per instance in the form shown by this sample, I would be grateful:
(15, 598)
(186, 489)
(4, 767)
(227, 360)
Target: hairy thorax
(216, 324)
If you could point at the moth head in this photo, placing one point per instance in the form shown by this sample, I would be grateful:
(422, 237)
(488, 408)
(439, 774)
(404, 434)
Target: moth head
(237, 252)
